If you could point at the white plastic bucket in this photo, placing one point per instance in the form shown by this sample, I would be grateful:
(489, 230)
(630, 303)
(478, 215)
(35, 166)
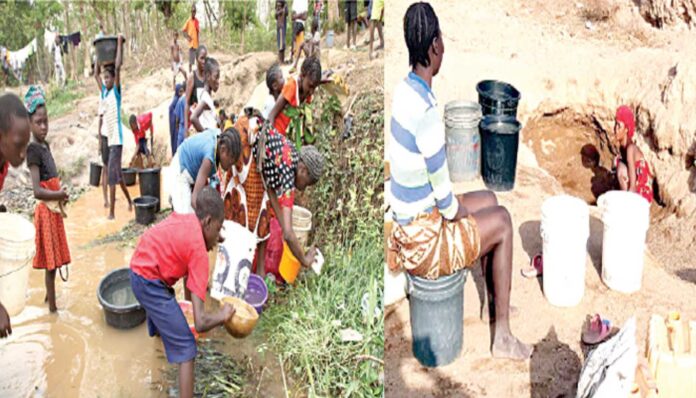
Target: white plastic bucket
(301, 224)
(17, 250)
(565, 228)
(626, 218)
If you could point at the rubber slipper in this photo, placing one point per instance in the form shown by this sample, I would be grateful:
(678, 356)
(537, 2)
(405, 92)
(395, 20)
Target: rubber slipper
(535, 268)
(597, 330)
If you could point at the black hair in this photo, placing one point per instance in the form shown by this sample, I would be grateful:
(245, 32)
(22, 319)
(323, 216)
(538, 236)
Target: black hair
(311, 67)
(272, 75)
(209, 203)
(10, 105)
(231, 140)
(201, 48)
(315, 24)
(132, 119)
(421, 28)
(211, 64)
(111, 69)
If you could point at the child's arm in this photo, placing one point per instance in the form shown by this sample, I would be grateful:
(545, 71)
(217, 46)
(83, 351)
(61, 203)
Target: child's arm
(277, 108)
(42, 193)
(201, 180)
(119, 61)
(631, 164)
(195, 121)
(97, 75)
(205, 321)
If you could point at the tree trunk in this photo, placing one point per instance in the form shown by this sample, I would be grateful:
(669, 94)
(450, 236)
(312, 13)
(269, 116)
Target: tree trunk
(332, 12)
(67, 64)
(86, 41)
(244, 12)
(126, 30)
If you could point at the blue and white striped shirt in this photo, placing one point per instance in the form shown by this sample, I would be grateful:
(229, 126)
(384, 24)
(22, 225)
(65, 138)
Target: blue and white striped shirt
(419, 175)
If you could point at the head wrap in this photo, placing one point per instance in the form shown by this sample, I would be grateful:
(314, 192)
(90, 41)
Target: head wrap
(34, 98)
(624, 115)
(314, 161)
(178, 87)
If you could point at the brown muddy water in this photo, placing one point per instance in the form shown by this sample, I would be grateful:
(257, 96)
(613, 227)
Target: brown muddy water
(74, 353)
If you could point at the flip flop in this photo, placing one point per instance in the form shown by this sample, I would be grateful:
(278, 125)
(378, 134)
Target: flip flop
(535, 268)
(597, 330)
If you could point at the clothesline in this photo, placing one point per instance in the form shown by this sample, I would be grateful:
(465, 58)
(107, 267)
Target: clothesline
(15, 60)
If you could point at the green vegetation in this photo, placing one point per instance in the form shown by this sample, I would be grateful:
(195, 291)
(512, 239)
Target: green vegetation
(61, 100)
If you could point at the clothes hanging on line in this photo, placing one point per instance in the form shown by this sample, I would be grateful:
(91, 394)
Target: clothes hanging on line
(73, 38)
(18, 58)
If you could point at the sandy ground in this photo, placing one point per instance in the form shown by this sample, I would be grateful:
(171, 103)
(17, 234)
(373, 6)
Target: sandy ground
(557, 62)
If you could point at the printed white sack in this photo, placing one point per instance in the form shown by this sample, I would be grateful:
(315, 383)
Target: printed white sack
(233, 264)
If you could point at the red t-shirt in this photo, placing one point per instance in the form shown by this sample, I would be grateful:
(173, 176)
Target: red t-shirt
(144, 122)
(3, 173)
(173, 249)
(291, 93)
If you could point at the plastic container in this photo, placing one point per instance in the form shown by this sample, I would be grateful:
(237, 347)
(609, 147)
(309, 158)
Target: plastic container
(565, 228)
(145, 209)
(301, 224)
(150, 184)
(95, 171)
(244, 319)
(289, 265)
(106, 49)
(499, 144)
(463, 141)
(626, 218)
(121, 309)
(330, 39)
(129, 176)
(17, 250)
(187, 308)
(498, 98)
(256, 293)
(437, 317)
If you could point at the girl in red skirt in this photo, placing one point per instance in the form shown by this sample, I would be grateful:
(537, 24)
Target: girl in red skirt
(51, 243)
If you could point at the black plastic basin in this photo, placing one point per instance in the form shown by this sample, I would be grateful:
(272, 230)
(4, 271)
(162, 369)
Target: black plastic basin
(150, 183)
(145, 209)
(129, 176)
(106, 49)
(498, 98)
(121, 309)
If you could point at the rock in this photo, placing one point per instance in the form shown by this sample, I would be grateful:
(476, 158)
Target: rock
(672, 13)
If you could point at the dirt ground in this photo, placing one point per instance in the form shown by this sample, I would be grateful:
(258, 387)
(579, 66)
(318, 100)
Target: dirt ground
(572, 75)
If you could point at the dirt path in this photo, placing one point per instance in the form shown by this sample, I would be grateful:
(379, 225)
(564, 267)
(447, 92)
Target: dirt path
(557, 63)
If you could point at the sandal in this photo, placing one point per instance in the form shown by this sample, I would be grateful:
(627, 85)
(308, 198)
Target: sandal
(596, 330)
(535, 268)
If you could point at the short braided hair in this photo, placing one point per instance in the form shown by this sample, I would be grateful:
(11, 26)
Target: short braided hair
(421, 28)
(232, 141)
(314, 160)
(311, 67)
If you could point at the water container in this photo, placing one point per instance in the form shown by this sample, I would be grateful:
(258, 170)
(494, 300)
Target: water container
(106, 47)
(463, 141)
(150, 184)
(145, 209)
(330, 39)
(17, 250)
(498, 98)
(499, 142)
(565, 228)
(437, 316)
(626, 218)
(301, 224)
(129, 175)
(95, 171)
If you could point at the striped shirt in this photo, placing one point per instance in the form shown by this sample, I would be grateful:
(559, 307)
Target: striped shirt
(110, 110)
(420, 179)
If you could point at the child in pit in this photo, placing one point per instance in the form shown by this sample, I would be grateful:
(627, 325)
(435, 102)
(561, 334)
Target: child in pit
(175, 248)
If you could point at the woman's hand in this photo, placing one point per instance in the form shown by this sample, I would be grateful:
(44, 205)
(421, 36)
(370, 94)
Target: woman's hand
(309, 257)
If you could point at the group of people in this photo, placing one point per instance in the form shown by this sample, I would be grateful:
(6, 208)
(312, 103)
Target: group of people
(474, 225)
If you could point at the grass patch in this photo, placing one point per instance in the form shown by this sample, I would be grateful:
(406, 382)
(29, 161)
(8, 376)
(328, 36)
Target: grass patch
(129, 234)
(305, 321)
(61, 100)
(255, 40)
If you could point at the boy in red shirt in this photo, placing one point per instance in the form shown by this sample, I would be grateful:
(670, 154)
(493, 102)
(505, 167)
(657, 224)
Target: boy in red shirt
(139, 125)
(173, 249)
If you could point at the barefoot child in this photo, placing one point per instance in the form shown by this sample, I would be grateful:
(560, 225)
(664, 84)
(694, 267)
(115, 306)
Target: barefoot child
(14, 138)
(376, 20)
(311, 46)
(296, 91)
(110, 108)
(275, 83)
(139, 125)
(175, 51)
(173, 249)
(632, 169)
(204, 116)
(52, 250)
(281, 17)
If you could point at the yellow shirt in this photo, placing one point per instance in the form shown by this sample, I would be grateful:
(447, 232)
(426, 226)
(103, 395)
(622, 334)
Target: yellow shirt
(191, 28)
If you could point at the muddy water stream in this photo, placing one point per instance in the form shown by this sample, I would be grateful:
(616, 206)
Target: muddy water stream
(74, 353)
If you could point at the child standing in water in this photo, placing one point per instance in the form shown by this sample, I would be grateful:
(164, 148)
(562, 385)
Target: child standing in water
(14, 138)
(632, 170)
(110, 109)
(173, 249)
(204, 116)
(52, 250)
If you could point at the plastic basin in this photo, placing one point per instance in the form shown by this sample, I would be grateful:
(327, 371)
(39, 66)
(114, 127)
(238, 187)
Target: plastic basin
(150, 183)
(145, 209)
(129, 176)
(498, 98)
(121, 309)
(106, 49)
(256, 293)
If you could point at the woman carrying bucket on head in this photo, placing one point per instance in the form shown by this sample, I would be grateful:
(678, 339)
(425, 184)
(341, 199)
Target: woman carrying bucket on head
(632, 169)
(427, 213)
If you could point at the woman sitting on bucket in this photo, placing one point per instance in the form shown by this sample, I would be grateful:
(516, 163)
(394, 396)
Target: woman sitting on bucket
(437, 233)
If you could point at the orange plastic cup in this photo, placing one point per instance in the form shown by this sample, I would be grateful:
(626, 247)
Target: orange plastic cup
(289, 265)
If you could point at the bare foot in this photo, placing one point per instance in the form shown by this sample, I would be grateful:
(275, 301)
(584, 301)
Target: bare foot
(106, 205)
(111, 217)
(508, 346)
(130, 206)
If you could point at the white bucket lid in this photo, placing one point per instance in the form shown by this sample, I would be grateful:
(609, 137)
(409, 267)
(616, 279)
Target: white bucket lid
(15, 228)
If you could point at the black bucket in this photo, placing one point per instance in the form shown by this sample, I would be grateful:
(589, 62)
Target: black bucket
(497, 98)
(150, 184)
(95, 171)
(499, 143)
(145, 209)
(121, 309)
(437, 317)
(129, 176)
(106, 49)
